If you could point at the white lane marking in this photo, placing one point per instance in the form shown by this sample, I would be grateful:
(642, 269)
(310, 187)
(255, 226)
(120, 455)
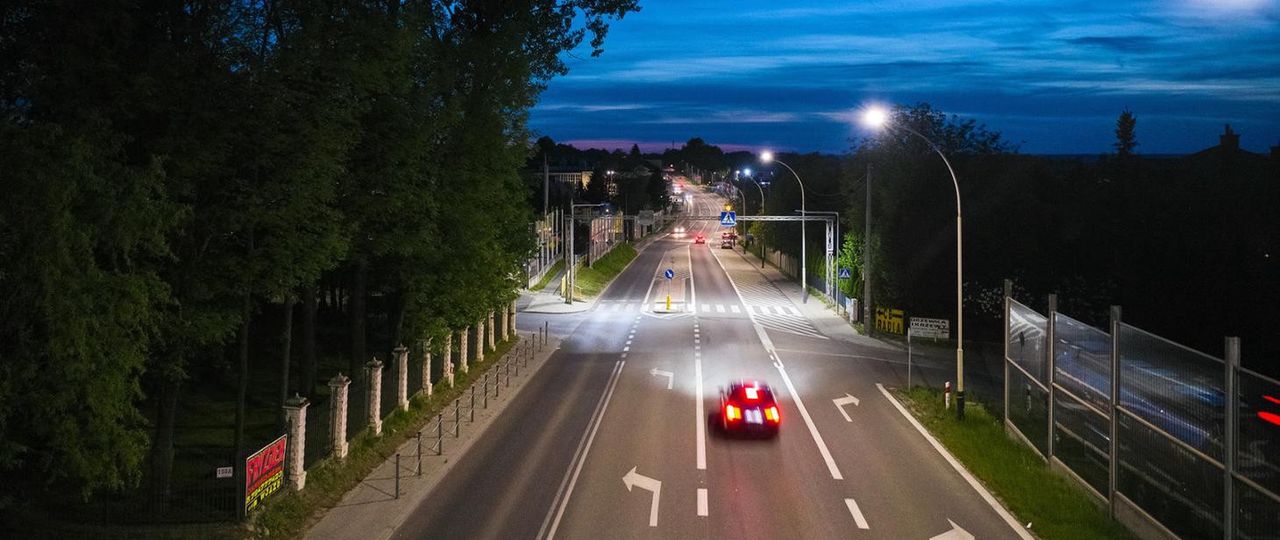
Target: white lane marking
(808, 421)
(719, 308)
(633, 478)
(841, 402)
(857, 514)
(734, 308)
(702, 502)
(699, 418)
(657, 271)
(964, 473)
(628, 342)
(626, 349)
(584, 446)
(662, 373)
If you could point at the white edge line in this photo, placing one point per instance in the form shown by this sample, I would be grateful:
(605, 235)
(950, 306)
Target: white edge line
(699, 413)
(857, 513)
(604, 404)
(964, 473)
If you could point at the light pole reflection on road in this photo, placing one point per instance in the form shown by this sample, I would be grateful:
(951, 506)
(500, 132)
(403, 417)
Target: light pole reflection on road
(767, 157)
(877, 117)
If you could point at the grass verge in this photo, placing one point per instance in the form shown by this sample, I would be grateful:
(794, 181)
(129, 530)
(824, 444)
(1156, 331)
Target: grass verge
(290, 514)
(592, 280)
(546, 278)
(1054, 506)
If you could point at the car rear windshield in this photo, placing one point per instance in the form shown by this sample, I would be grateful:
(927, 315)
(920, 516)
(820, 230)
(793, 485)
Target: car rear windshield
(749, 394)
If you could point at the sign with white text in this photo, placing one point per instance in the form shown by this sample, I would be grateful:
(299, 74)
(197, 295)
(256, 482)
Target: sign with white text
(931, 328)
(264, 473)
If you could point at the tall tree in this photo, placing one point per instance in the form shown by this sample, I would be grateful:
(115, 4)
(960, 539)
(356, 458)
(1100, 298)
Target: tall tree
(1126, 137)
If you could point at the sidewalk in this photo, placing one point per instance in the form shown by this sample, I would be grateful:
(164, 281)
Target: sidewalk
(550, 300)
(372, 510)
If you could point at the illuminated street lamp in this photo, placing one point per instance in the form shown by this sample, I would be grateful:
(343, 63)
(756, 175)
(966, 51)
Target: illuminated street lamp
(876, 117)
(767, 157)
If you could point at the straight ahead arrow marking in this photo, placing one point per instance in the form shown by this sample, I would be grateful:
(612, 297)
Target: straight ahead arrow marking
(956, 533)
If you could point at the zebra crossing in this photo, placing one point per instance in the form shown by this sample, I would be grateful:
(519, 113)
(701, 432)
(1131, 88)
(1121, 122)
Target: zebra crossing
(765, 302)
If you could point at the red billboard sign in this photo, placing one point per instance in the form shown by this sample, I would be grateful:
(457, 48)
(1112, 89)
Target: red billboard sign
(264, 473)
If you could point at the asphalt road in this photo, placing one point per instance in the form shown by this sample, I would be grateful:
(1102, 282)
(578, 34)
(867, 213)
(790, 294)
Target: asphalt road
(603, 443)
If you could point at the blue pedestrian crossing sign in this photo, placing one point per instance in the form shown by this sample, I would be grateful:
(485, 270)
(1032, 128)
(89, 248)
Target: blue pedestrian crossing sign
(845, 274)
(728, 219)
(669, 273)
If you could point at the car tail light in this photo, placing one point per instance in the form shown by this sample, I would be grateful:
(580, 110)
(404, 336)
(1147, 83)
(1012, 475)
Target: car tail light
(732, 413)
(772, 414)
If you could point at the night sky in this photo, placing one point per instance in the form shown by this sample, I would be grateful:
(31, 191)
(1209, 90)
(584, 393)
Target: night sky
(1051, 76)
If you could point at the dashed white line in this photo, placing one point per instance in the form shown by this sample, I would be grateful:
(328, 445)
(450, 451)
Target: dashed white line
(702, 502)
(857, 514)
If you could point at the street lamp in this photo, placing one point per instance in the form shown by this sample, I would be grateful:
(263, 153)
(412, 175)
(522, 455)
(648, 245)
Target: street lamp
(761, 212)
(877, 117)
(766, 157)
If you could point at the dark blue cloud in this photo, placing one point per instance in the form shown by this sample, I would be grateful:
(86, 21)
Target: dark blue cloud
(1050, 74)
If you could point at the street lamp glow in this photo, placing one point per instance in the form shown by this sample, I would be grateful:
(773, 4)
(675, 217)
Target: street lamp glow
(875, 117)
(747, 171)
(766, 156)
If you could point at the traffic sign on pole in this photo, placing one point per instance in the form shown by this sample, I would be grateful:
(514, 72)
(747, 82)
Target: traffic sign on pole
(669, 273)
(728, 219)
(845, 273)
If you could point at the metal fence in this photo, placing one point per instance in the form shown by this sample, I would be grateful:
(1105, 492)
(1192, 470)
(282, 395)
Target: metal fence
(1191, 440)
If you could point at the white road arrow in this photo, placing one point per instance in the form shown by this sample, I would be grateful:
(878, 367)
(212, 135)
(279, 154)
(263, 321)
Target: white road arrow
(956, 533)
(841, 402)
(633, 478)
(658, 372)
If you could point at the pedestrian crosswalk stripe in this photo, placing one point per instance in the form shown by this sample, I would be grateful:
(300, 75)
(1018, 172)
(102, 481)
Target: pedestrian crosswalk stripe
(706, 308)
(719, 308)
(734, 308)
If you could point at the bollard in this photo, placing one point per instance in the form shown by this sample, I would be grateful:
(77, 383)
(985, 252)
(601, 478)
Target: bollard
(457, 417)
(440, 434)
(486, 390)
(397, 476)
(946, 395)
(497, 381)
(419, 468)
(508, 374)
(473, 403)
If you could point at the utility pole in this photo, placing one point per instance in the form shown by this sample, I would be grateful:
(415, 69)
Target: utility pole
(867, 323)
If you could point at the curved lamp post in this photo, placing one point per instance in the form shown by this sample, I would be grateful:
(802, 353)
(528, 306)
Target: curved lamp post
(877, 118)
(767, 157)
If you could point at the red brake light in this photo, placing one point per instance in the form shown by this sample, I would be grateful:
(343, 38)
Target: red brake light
(772, 414)
(1273, 418)
(731, 412)
(1271, 399)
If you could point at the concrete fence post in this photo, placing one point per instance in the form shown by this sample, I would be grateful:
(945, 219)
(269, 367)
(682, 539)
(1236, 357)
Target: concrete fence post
(446, 360)
(479, 337)
(511, 316)
(374, 370)
(493, 329)
(338, 387)
(295, 413)
(426, 367)
(463, 336)
(402, 377)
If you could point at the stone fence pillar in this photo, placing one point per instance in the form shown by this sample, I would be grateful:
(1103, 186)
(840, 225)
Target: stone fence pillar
(374, 370)
(426, 367)
(480, 341)
(463, 336)
(402, 377)
(338, 387)
(446, 360)
(493, 328)
(511, 317)
(295, 414)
